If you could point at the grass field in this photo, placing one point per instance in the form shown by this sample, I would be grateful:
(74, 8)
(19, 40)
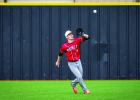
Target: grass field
(61, 90)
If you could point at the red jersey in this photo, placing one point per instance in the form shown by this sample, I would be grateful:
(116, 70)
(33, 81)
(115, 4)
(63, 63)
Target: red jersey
(72, 50)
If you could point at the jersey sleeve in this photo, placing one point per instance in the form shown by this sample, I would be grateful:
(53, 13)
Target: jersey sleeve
(62, 49)
(80, 39)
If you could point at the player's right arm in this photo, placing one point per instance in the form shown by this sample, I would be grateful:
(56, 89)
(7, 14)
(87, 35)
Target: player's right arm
(61, 52)
(58, 59)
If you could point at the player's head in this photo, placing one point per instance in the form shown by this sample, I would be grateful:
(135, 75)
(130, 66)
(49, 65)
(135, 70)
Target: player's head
(69, 35)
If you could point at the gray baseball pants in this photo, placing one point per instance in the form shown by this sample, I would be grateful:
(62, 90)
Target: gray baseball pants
(77, 70)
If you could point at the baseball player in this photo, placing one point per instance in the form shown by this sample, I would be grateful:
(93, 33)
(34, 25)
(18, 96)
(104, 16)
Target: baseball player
(72, 50)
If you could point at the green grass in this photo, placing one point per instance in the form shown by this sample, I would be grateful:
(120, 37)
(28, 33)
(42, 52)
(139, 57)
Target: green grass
(61, 90)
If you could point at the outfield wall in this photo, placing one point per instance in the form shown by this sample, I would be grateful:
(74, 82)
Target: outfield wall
(71, 0)
(30, 38)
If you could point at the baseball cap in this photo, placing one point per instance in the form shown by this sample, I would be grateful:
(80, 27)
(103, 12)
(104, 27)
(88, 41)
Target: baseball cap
(67, 33)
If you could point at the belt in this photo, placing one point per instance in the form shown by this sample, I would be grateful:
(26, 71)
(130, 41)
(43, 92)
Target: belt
(73, 61)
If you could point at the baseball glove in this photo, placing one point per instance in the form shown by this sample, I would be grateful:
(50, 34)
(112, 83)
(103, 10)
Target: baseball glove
(79, 32)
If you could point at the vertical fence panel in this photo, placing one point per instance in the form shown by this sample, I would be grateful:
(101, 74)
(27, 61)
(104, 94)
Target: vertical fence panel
(16, 43)
(35, 41)
(123, 43)
(55, 39)
(26, 42)
(1, 43)
(128, 43)
(103, 42)
(138, 43)
(113, 42)
(132, 42)
(45, 43)
(6, 42)
(108, 42)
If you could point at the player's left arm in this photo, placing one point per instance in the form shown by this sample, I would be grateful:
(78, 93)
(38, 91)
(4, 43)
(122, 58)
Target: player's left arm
(81, 33)
(86, 36)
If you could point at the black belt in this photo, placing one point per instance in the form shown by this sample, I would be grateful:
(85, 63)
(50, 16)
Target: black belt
(73, 61)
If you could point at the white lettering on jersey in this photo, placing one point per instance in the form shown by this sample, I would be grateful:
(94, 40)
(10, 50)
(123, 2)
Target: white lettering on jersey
(71, 48)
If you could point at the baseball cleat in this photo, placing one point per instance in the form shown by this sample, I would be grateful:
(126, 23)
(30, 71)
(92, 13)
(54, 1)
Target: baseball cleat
(75, 90)
(87, 92)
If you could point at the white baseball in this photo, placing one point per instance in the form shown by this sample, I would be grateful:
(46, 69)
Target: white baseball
(94, 11)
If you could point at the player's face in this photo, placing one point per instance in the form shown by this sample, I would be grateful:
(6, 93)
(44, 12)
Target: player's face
(70, 36)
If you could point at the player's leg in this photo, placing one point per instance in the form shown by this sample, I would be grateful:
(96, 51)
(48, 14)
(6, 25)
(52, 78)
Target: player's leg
(74, 82)
(73, 67)
(79, 65)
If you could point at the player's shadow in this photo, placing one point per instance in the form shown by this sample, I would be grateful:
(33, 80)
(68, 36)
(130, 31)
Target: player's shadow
(99, 59)
(100, 50)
